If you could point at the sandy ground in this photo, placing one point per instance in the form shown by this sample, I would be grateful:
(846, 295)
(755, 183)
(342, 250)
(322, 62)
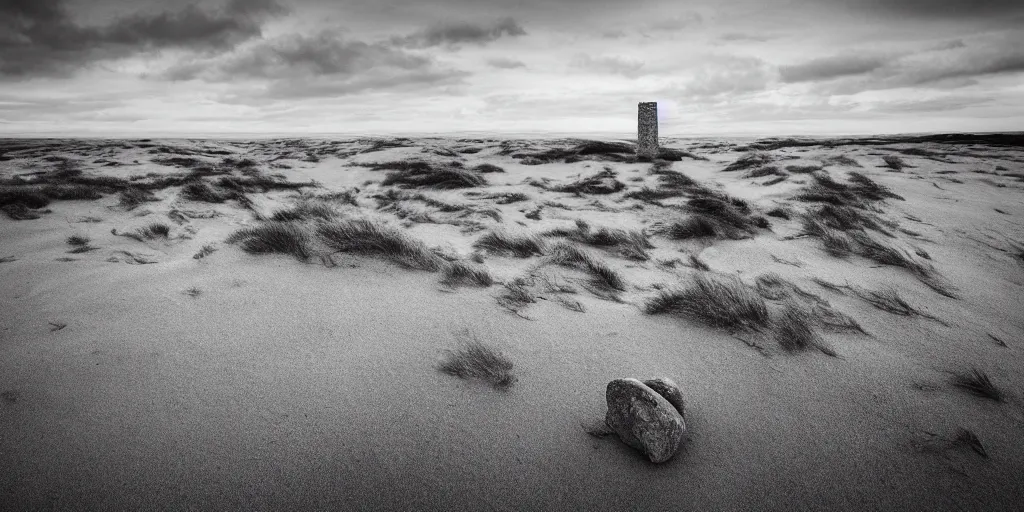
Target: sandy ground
(289, 385)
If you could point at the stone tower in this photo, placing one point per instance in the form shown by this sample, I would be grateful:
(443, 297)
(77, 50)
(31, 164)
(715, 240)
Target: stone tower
(647, 129)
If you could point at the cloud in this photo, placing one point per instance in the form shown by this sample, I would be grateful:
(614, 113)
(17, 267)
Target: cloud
(828, 68)
(941, 8)
(754, 38)
(455, 34)
(42, 39)
(608, 64)
(321, 64)
(676, 23)
(953, 64)
(727, 75)
(505, 63)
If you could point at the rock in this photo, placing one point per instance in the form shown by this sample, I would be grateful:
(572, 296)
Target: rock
(668, 389)
(644, 419)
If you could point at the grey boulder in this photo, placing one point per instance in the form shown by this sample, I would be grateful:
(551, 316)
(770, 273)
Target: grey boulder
(644, 419)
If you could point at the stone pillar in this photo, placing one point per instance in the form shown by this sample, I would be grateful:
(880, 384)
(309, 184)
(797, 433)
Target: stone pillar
(647, 129)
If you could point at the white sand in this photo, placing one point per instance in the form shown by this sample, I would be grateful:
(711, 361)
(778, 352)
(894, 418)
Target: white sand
(286, 385)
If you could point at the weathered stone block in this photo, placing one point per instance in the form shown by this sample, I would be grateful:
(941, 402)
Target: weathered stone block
(647, 129)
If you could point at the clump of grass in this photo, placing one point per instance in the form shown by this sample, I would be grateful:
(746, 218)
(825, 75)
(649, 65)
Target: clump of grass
(423, 175)
(507, 197)
(774, 181)
(894, 162)
(802, 169)
(768, 170)
(698, 263)
(154, 230)
(603, 182)
(794, 331)
(718, 301)
(78, 240)
(488, 168)
(969, 439)
(24, 196)
(70, 192)
(305, 210)
(701, 226)
(504, 243)
(364, 236)
(723, 209)
(131, 197)
(204, 251)
(779, 212)
(748, 161)
(604, 277)
(19, 211)
(193, 292)
(978, 383)
(478, 361)
(274, 237)
(461, 273)
(840, 160)
(631, 244)
(516, 296)
(772, 286)
(867, 189)
(202, 192)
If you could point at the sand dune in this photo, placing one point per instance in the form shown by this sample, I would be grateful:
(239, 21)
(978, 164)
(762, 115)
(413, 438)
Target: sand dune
(260, 324)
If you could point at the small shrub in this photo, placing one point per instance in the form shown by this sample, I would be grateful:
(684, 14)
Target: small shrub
(894, 162)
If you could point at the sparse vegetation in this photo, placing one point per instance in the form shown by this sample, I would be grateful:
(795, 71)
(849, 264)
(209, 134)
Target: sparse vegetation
(978, 383)
(802, 169)
(423, 175)
(750, 160)
(630, 244)
(202, 192)
(458, 273)
(894, 162)
(603, 182)
(150, 232)
(364, 236)
(78, 240)
(478, 361)
(204, 251)
(274, 237)
(304, 210)
(131, 197)
(504, 243)
(717, 300)
(604, 277)
(793, 331)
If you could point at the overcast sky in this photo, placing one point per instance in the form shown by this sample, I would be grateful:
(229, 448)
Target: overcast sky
(743, 67)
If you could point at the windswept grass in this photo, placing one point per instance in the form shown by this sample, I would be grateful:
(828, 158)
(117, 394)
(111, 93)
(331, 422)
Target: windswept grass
(426, 176)
(131, 197)
(458, 273)
(487, 168)
(78, 240)
(768, 170)
(305, 210)
(802, 169)
(716, 300)
(603, 182)
(274, 237)
(201, 191)
(772, 286)
(150, 232)
(978, 383)
(651, 195)
(364, 236)
(478, 361)
(630, 244)
(604, 277)
(793, 331)
(504, 243)
(894, 162)
(516, 296)
(701, 226)
(750, 160)
(840, 160)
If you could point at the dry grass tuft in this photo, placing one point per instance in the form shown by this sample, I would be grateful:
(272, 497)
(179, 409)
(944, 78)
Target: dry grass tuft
(458, 273)
(478, 361)
(364, 236)
(978, 383)
(604, 277)
(718, 301)
(274, 237)
(504, 243)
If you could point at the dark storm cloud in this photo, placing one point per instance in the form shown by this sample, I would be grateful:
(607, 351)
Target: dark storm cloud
(317, 65)
(828, 68)
(504, 63)
(453, 34)
(942, 8)
(40, 37)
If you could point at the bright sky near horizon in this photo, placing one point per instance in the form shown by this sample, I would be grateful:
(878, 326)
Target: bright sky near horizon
(716, 67)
